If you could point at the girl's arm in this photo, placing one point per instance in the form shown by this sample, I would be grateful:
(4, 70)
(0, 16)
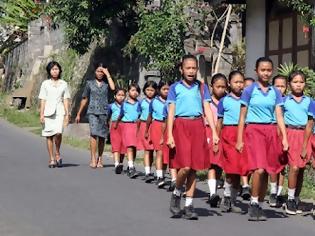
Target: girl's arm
(240, 129)
(307, 135)
(219, 126)
(67, 114)
(281, 125)
(109, 79)
(164, 125)
(148, 123)
(42, 108)
(83, 103)
(170, 125)
(210, 119)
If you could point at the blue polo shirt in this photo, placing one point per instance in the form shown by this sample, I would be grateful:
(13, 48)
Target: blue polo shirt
(311, 112)
(130, 112)
(296, 113)
(114, 111)
(165, 111)
(187, 99)
(229, 108)
(144, 105)
(261, 105)
(156, 108)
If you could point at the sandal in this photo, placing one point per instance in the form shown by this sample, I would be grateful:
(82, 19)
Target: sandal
(58, 160)
(100, 163)
(52, 164)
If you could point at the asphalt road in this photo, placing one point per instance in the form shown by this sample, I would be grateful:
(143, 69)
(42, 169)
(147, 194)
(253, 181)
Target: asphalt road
(76, 200)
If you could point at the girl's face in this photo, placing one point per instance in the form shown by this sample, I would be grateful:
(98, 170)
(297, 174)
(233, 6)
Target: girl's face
(164, 91)
(54, 72)
(189, 69)
(133, 93)
(264, 71)
(297, 84)
(219, 88)
(120, 96)
(99, 74)
(237, 84)
(149, 92)
(281, 84)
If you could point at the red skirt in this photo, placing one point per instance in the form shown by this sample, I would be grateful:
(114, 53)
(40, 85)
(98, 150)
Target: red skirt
(263, 148)
(143, 143)
(313, 149)
(295, 140)
(129, 131)
(215, 158)
(233, 162)
(116, 138)
(191, 145)
(167, 152)
(156, 134)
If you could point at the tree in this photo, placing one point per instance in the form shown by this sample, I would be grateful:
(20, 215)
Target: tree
(87, 20)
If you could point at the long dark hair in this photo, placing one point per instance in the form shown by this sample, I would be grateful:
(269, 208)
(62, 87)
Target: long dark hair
(50, 66)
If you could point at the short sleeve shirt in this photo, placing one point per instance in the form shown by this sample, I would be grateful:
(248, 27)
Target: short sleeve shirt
(144, 104)
(187, 99)
(261, 105)
(130, 112)
(157, 109)
(97, 96)
(114, 111)
(296, 113)
(229, 109)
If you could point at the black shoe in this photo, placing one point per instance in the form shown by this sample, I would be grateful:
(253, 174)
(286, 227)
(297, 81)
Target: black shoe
(226, 205)
(132, 173)
(52, 164)
(160, 182)
(220, 183)
(59, 163)
(261, 215)
(148, 178)
(213, 200)
(118, 169)
(189, 213)
(175, 206)
(273, 200)
(253, 212)
(299, 208)
(184, 195)
(290, 207)
(172, 186)
(245, 193)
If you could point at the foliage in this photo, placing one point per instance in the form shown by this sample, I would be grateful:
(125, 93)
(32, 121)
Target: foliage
(239, 56)
(286, 69)
(87, 20)
(161, 34)
(304, 9)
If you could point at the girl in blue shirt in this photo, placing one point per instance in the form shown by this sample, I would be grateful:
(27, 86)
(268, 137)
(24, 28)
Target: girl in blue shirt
(118, 148)
(259, 103)
(129, 116)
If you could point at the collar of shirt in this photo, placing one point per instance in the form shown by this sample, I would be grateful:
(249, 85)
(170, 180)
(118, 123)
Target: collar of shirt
(160, 99)
(232, 96)
(117, 104)
(258, 87)
(127, 101)
(187, 86)
(290, 96)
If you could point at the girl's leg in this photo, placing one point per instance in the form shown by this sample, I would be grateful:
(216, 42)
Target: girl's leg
(263, 188)
(299, 185)
(116, 158)
(280, 183)
(122, 157)
(245, 188)
(93, 147)
(101, 145)
(147, 162)
(50, 148)
(159, 164)
(273, 190)
(58, 140)
(212, 183)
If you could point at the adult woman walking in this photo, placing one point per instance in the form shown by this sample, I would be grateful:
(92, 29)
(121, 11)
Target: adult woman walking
(54, 111)
(95, 95)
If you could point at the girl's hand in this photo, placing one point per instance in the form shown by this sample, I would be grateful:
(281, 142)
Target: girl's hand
(303, 153)
(42, 119)
(77, 119)
(215, 148)
(66, 121)
(116, 125)
(171, 142)
(239, 146)
(285, 145)
(146, 135)
(161, 141)
(215, 138)
(106, 72)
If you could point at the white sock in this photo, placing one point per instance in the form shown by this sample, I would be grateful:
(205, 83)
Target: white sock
(227, 189)
(245, 186)
(159, 173)
(261, 204)
(147, 170)
(116, 163)
(291, 193)
(279, 190)
(273, 188)
(130, 164)
(188, 201)
(254, 200)
(177, 192)
(212, 183)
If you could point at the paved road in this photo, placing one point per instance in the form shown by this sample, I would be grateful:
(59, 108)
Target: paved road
(76, 200)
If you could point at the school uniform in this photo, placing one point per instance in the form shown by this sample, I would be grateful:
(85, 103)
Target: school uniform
(295, 119)
(261, 136)
(116, 135)
(233, 162)
(130, 114)
(143, 143)
(156, 108)
(189, 130)
(311, 113)
(215, 158)
(168, 153)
